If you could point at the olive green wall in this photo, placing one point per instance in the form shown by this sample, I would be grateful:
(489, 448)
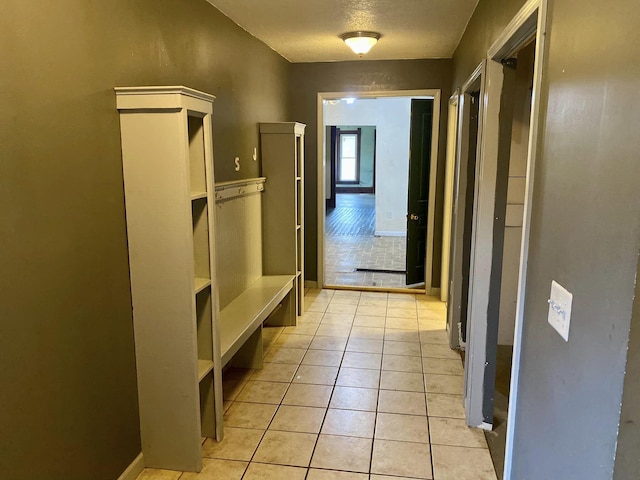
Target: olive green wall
(69, 408)
(488, 20)
(307, 79)
(68, 389)
(585, 234)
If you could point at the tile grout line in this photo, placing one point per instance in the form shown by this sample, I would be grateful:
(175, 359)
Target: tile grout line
(313, 451)
(330, 396)
(426, 402)
(375, 421)
(332, 391)
(280, 404)
(424, 384)
(266, 429)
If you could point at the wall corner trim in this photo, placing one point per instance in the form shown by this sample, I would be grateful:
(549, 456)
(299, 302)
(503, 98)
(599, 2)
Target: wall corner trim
(134, 469)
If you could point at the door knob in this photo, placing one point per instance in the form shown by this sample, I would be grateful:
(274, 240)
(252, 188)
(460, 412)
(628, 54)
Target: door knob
(413, 216)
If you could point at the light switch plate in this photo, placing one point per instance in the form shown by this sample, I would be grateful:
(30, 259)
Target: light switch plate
(560, 309)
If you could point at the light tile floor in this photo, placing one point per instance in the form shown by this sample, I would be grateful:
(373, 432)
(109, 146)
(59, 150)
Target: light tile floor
(364, 388)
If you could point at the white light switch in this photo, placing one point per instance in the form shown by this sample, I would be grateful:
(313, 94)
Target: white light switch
(560, 309)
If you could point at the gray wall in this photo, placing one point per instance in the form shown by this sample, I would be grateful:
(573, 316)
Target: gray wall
(361, 76)
(68, 388)
(627, 458)
(585, 234)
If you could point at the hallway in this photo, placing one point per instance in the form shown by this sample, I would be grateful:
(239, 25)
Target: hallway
(365, 387)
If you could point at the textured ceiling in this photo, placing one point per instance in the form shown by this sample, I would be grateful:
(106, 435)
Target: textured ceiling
(308, 30)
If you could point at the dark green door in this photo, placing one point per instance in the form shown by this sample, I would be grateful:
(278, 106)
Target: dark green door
(419, 167)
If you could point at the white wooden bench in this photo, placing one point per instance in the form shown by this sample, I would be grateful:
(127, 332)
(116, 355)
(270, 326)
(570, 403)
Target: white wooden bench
(247, 297)
(241, 321)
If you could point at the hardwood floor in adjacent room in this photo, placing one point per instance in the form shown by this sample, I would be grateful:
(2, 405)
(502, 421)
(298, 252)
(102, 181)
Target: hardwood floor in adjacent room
(354, 256)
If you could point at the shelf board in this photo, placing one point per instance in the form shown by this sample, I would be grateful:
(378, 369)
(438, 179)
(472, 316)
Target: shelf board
(299, 273)
(298, 227)
(200, 284)
(299, 178)
(198, 195)
(204, 367)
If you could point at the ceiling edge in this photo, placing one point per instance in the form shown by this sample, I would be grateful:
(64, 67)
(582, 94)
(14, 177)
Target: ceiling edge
(244, 29)
(464, 30)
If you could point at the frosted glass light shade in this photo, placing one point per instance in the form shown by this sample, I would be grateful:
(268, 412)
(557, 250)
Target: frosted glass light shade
(360, 42)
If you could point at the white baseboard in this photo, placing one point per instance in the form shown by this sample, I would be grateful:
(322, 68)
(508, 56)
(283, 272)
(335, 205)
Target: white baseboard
(134, 469)
(387, 233)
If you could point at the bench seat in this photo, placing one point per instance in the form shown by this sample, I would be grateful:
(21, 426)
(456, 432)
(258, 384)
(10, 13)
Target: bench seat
(246, 313)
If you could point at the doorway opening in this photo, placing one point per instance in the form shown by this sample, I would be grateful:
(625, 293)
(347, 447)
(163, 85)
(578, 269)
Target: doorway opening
(355, 252)
(363, 189)
(515, 127)
(469, 131)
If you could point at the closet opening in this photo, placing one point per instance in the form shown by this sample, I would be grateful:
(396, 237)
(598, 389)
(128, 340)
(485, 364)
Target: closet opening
(512, 179)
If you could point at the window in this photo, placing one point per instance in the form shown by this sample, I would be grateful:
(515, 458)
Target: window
(349, 156)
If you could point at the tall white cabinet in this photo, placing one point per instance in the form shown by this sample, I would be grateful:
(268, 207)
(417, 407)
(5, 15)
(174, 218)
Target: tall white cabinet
(282, 146)
(168, 179)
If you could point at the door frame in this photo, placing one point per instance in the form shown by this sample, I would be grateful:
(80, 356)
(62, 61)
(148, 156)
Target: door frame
(325, 96)
(474, 82)
(530, 21)
(450, 165)
(480, 262)
(531, 18)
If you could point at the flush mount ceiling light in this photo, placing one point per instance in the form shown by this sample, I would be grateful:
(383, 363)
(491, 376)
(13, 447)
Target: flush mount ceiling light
(360, 42)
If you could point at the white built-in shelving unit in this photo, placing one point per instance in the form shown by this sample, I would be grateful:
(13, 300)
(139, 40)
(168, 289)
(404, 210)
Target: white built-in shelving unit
(282, 147)
(184, 337)
(168, 179)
